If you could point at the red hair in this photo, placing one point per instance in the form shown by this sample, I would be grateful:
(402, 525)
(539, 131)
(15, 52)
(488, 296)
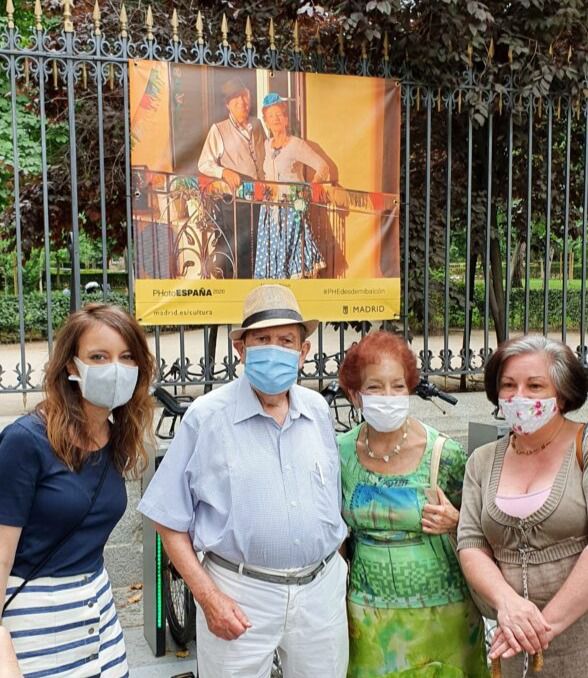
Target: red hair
(369, 351)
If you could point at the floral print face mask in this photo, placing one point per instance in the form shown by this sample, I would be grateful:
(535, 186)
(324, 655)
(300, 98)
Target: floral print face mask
(527, 415)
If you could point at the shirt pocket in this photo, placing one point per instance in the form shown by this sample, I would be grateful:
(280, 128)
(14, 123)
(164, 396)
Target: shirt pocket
(324, 484)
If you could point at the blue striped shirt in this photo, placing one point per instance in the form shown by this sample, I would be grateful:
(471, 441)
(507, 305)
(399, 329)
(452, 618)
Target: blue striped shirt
(248, 489)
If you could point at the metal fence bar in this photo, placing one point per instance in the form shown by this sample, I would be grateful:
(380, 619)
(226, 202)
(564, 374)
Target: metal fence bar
(564, 282)
(547, 259)
(468, 272)
(487, 265)
(406, 236)
(582, 347)
(508, 272)
(446, 363)
(531, 103)
(425, 355)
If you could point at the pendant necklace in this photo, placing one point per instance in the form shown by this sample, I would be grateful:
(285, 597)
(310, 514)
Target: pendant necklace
(534, 450)
(393, 452)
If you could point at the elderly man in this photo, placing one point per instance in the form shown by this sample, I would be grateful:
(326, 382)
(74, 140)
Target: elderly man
(234, 151)
(252, 481)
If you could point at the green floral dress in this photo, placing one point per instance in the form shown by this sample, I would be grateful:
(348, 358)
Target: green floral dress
(410, 613)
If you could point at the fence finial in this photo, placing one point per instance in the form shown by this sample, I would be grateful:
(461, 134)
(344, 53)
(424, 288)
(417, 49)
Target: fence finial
(124, 22)
(199, 28)
(67, 22)
(510, 55)
(386, 47)
(491, 49)
(10, 13)
(38, 16)
(319, 46)
(174, 24)
(97, 18)
(225, 31)
(470, 52)
(569, 54)
(248, 34)
(149, 23)
(295, 36)
(272, 34)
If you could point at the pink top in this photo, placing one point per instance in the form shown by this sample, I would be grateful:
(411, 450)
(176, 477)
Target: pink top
(522, 505)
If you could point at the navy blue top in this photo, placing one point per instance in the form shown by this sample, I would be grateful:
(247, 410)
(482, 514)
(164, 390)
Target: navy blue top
(41, 495)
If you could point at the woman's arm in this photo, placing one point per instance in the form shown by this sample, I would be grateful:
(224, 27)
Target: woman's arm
(571, 601)
(9, 537)
(523, 625)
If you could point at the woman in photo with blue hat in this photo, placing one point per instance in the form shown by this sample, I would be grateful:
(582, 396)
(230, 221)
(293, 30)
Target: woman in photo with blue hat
(286, 247)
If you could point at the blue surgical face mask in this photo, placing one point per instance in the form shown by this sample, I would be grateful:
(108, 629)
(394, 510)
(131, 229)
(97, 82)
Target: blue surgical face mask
(271, 369)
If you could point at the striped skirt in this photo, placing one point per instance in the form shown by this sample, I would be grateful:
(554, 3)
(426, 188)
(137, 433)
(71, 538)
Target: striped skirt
(66, 627)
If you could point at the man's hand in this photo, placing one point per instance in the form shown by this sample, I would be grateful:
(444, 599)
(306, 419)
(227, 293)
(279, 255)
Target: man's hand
(233, 179)
(440, 518)
(224, 617)
(8, 664)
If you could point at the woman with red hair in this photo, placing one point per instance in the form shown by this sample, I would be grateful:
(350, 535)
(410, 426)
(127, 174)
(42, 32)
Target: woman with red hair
(410, 613)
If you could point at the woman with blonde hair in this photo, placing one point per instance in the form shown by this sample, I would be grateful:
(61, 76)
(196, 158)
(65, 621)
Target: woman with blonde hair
(62, 491)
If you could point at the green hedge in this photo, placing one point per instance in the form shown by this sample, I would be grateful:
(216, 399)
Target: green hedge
(35, 311)
(517, 309)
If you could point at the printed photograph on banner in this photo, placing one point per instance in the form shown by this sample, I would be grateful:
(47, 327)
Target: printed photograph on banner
(248, 175)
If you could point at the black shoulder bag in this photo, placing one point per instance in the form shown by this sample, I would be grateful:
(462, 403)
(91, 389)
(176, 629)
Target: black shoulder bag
(37, 568)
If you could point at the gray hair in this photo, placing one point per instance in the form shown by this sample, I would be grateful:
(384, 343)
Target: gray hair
(565, 370)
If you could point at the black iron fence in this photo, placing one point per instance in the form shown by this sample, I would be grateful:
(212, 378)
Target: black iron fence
(494, 202)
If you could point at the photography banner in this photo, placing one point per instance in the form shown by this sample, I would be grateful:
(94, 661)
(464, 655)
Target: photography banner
(246, 176)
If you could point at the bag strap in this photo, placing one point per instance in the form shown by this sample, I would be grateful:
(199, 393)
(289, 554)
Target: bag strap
(37, 568)
(436, 460)
(580, 445)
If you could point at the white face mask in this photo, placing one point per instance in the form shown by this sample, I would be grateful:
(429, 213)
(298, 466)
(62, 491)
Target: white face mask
(527, 415)
(108, 386)
(385, 413)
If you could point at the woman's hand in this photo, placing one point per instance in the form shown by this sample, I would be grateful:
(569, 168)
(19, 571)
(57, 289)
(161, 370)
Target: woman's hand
(440, 518)
(522, 629)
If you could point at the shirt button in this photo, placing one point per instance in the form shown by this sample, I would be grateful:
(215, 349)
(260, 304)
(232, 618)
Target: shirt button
(91, 604)
(91, 631)
(293, 503)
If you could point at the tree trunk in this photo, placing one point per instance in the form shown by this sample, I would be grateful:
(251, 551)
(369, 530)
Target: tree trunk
(516, 266)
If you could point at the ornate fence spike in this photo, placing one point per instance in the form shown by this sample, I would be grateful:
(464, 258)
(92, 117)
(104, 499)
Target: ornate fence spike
(225, 31)
(67, 22)
(272, 34)
(84, 75)
(510, 55)
(500, 103)
(550, 51)
(97, 18)
(248, 34)
(470, 52)
(124, 22)
(296, 37)
(569, 54)
(10, 13)
(558, 110)
(319, 47)
(175, 24)
(38, 16)
(491, 50)
(386, 47)
(149, 23)
(341, 42)
(199, 28)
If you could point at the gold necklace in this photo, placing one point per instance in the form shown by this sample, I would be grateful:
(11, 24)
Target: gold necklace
(539, 448)
(395, 450)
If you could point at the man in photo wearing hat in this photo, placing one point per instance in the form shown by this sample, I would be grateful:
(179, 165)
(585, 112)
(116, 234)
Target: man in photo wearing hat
(252, 480)
(234, 151)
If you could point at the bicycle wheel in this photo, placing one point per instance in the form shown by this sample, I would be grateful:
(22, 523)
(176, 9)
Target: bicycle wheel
(180, 608)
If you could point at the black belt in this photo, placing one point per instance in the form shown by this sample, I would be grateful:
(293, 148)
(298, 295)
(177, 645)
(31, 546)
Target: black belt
(272, 578)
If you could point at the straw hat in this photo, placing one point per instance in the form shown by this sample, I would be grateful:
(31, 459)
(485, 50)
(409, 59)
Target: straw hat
(271, 306)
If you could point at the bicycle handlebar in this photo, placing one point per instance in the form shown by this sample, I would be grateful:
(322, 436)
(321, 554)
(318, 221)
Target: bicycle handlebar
(426, 390)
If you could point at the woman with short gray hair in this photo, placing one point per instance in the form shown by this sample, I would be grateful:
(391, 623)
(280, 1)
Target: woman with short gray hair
(523, 530)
